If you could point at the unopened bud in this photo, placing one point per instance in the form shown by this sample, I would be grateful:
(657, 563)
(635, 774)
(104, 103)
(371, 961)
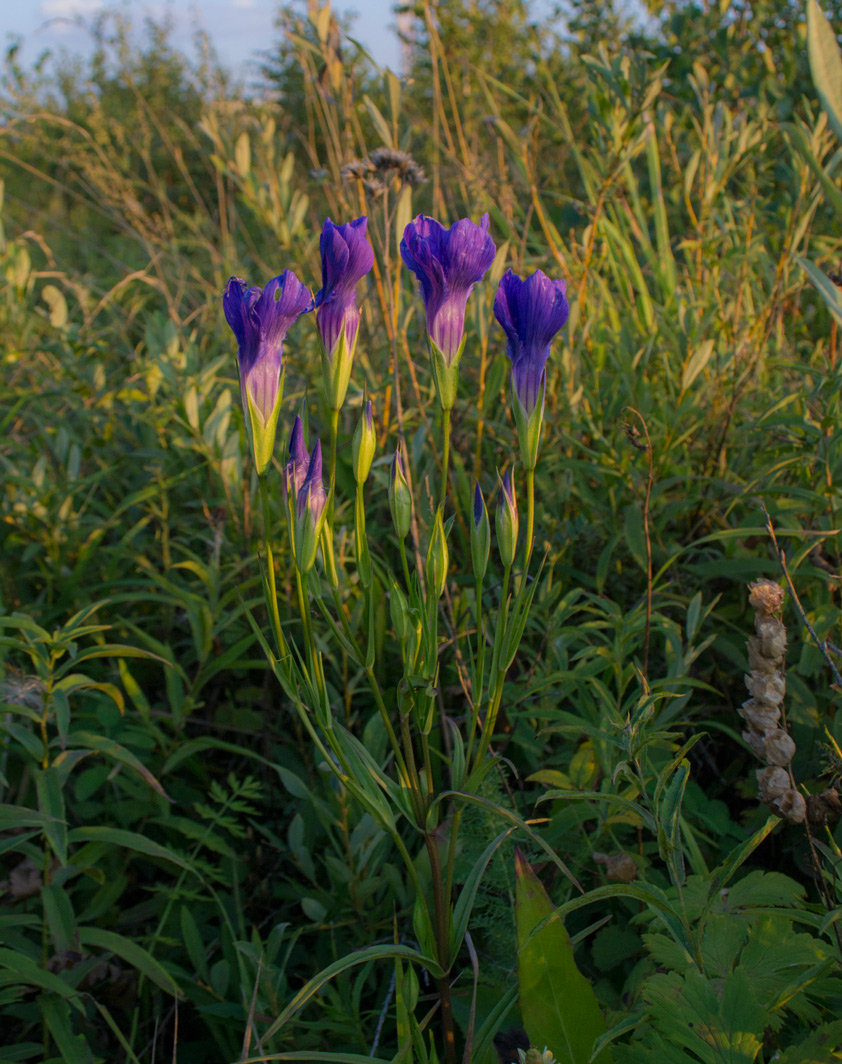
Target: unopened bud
(400, 498)
(438, 559)
(480, 535)
(506, 520)
(363, 445)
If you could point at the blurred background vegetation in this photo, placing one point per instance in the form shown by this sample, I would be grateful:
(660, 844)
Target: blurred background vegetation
(671, 167)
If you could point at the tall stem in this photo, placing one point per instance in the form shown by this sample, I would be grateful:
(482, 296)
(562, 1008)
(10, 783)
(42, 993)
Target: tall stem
(445, 454)
(498, 671)
(479, 674)
(441, 916)
(270, 563)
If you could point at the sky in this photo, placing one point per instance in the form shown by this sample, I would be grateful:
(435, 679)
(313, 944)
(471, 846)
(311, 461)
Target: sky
(238, 28)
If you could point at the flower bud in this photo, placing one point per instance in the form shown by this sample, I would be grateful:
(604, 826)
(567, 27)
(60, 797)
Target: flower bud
(399, 609)
(363, 444)
(506, 520)
(400, 497)
(311, 512)
(480, 535)
(295, 471)
(438, 559)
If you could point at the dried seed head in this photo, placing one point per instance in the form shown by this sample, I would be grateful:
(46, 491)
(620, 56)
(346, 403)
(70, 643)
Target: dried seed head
(757, 660)
(390, 160)
(824, 808)
(779, 749)
(356, 170)
(772, 636)
(792, 806)
(760, 716)
(766, 597)
(618, 866)
(772, 782)
(768, 687)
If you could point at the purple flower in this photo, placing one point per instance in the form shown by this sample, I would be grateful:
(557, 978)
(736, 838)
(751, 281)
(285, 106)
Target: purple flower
(311, 509)
(260, 319)
(347, 257)
(531, 313)
(448, 263)
(312, 495)
(299, 460)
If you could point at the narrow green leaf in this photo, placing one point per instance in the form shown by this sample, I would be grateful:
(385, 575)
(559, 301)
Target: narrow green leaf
(58, 913)
(131, 840)
(558, 1005)
(825, 64)
(28, 972)
(74, 1048)
(51, 804)
(118, 753)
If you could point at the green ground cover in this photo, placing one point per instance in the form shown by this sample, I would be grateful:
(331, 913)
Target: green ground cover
(184, 869)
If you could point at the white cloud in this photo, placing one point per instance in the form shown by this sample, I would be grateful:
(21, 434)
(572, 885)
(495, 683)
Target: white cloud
(242, 5)
(70, 8)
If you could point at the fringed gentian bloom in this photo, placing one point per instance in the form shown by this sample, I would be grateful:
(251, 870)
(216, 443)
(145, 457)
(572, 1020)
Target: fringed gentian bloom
(347, 257)
(448, 263)
(311, 510)
(260, 319)
(531, 313)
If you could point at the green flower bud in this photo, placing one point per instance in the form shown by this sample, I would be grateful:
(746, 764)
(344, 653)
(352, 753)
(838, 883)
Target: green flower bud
(438, 559)
(400, 498)
(363, 445)
(507, 520)
(480, 535)
(399, 609)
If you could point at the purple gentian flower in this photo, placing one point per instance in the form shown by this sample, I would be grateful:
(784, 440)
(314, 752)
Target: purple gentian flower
(295, 471)
(347, 257)
(448, 263)
(531, 313)
(260, 319)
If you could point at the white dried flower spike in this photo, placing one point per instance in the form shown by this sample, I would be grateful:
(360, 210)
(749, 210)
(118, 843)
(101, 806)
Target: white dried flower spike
(757, 660)
(765, 596)
(756, 741)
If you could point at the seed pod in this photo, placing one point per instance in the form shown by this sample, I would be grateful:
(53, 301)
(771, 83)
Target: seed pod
(779, 748)
(768, 687)
(772, 782)
(760, 716)
(757, 742)
(772, 636)
(792, 806)
(757, 660)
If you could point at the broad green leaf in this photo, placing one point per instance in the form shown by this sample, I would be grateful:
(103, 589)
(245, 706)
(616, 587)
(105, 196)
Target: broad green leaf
(118, 753)
(51, 804)
(74, 1048)
(558, 1005)
(825, 64)
(27, 971)
(132, 953)
(131, 840)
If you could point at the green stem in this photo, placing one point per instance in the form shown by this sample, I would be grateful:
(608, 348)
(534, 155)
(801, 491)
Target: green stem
(270, 563)
(404, 563)
(530, 521)
(479, 674)
(498, 672)
(445, 454)
(442, 930)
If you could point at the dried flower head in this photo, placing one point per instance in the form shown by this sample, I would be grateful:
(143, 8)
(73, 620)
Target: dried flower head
(618, 866)
(759, 716)
(772, 636)
(356, 170)
(400, 163)
(765, 597)
(768, 687)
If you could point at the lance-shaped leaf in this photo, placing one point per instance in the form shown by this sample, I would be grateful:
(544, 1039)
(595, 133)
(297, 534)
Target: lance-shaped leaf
(558, 1005)
(825, 64)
